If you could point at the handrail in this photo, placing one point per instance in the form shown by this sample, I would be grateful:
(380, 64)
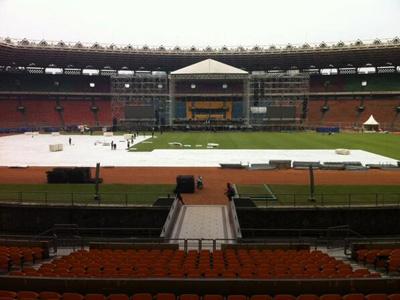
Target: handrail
(261, 200)
(79, 198)
(172, 215)
(328, 200)
(234, 219)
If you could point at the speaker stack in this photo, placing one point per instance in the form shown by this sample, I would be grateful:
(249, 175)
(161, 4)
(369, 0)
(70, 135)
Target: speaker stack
(185, 183)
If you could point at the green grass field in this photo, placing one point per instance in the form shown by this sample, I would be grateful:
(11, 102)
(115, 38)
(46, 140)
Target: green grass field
(117, 194)
(344, 195)
(383, 144)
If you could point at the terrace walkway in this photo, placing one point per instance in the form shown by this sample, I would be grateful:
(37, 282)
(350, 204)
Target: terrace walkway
(202, 222)
(212, 193)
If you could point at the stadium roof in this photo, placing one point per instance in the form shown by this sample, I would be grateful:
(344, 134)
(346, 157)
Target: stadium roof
(23, 53)
(209, 66)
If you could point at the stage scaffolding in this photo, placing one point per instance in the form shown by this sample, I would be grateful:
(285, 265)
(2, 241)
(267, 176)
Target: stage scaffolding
(278, 98)
(147, 94)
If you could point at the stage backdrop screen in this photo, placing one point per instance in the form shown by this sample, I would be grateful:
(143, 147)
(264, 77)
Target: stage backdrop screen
(281, 112)
(139, 112)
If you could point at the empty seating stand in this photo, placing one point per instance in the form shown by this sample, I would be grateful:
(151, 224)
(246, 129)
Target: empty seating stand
(388, 258)
(16, 256)
(229, 263)
(46, 295)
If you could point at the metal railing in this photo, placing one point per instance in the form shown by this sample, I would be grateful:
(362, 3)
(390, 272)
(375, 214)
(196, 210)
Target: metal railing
(320, 199)
(82, 198)
(74, 237)
(330, 237)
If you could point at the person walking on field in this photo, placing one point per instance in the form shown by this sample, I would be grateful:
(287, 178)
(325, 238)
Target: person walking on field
(70, 141)
(230, 191)
(199, 183)
(177, 192)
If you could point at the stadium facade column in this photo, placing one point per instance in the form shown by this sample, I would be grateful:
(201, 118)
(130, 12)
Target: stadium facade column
(246, 101)
(171, 100)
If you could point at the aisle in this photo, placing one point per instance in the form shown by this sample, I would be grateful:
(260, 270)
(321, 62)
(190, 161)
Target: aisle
(202, 222)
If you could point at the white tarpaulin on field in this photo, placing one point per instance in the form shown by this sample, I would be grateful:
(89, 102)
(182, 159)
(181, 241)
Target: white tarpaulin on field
(86, 150)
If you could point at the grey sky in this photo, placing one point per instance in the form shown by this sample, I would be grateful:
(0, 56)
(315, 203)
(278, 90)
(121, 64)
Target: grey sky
(200, 23)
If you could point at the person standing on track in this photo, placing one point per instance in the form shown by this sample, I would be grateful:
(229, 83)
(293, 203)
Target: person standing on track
(230, 191)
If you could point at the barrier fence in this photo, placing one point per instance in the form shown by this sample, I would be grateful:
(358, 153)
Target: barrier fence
(243, 200)
(322, 199)
(85, 198)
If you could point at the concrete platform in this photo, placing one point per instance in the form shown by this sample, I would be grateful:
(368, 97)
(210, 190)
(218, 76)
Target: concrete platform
(202, 222)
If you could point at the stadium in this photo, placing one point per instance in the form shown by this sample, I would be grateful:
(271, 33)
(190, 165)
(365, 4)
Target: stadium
(189, 173)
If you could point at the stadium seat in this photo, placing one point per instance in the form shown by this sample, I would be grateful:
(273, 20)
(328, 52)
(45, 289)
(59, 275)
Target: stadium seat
(11, 294)
(354, 297)
(45, 295)
(260, 297)
(237, 297)
(196, 297)
(118, 297)
(284, 297)
(330, 297)
(143, 296)
(165, 296)
(376, 297)
(307, 297)
(27, 295)
(95, 297)
(213, 297)
(72, 296)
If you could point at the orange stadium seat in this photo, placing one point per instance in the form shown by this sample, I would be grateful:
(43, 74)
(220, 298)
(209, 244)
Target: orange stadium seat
(260, 297)
(307, 297)
(284, 297)
(72, 296)
(143, 296)
(213, 297)
(237, 297)
(165, 296)
(27, 295)
(49, 295)
(197, 297)
(95, 297)
(10, 294)
(119, 297)
(376, 297)
(354, 297)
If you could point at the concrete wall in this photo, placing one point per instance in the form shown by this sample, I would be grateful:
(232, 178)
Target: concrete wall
(202, 286)
(34, 219)
(366, 221)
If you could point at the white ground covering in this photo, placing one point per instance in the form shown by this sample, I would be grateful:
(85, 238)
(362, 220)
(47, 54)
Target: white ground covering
(25, 150)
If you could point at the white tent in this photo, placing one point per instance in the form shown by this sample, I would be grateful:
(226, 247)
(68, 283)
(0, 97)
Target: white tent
(371, 124)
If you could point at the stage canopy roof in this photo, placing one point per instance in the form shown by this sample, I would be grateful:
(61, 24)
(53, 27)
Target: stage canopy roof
(209, 66)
